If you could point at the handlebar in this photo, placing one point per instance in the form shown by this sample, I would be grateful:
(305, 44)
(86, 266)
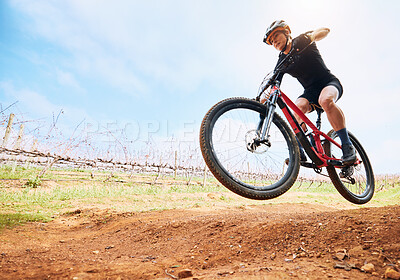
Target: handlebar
(272, 81)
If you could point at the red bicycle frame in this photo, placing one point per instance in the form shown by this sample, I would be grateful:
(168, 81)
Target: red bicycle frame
(318, 156)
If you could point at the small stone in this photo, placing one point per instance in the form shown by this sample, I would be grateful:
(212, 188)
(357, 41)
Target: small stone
(356, 251)
(369, 268)
(225, 273)
(215, 196)
(343, 265)
(186, 273)
(390, 273)
(95, 252)
(340, 255)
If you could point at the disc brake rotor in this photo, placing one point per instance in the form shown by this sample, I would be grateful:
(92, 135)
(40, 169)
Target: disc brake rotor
(254, 144)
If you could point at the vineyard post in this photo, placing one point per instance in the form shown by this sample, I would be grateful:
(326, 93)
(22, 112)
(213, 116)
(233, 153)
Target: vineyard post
(8, 130)
(19, 139)
(205, 176)
(158, 172)
(17, 146)
(176, 163)
(191, 175)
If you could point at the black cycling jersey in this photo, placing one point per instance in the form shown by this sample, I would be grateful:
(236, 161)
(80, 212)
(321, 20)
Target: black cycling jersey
(309, 69)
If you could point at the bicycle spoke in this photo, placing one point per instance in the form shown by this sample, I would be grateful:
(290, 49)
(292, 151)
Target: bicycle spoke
(355, 183)
(229, 142)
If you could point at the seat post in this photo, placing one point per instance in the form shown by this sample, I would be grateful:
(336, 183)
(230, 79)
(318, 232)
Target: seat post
(318, 122)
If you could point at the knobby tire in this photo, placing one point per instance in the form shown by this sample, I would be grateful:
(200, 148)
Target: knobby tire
(238, 169)
(362, 189)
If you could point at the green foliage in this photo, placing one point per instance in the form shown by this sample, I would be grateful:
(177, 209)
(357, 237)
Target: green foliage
(13, 219)
(66, 189)
(16, 172)
(33, 183)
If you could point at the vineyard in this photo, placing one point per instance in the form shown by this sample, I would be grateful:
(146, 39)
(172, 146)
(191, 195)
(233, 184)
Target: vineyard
(83, 151)
(103, 150)
(79, 208)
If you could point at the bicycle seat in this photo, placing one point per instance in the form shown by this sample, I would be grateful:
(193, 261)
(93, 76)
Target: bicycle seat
(317, 108)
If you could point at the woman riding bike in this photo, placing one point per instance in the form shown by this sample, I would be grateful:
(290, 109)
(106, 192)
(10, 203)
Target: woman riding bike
(321, 87)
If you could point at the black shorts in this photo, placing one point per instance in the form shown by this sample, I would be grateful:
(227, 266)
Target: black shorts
(312, 94)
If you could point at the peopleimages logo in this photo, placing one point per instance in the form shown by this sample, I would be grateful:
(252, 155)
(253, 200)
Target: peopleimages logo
(143, 131)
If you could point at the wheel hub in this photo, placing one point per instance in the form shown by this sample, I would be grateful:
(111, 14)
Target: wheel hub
(254, 144)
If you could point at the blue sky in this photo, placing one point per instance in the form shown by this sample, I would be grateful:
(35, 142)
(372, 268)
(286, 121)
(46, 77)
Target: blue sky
(151, 69)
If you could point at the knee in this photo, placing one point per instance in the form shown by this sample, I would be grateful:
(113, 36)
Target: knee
(328, 97)
(326, 103)
(303, 106)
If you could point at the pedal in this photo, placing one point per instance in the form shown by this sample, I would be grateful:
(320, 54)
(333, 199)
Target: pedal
(335, 162)
(306, 164)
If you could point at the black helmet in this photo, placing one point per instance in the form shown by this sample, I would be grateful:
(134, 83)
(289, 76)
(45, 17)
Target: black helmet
(276, 25)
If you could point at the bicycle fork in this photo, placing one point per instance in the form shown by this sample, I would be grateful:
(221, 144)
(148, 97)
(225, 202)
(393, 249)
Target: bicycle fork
(271, 107)
(266, 120)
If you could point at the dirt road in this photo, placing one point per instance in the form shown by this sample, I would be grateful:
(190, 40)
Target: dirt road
(260, 242)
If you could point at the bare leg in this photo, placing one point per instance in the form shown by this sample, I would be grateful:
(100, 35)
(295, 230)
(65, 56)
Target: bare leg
(304, 106)
(334, 114)
(336, 118)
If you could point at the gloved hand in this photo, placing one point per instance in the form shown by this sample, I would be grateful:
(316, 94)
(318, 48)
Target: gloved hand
(264, 97)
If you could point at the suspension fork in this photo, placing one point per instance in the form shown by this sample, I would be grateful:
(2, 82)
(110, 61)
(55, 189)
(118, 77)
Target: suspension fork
(265, 122)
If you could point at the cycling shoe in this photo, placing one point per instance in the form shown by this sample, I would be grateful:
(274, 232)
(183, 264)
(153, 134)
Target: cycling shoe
(349, 154)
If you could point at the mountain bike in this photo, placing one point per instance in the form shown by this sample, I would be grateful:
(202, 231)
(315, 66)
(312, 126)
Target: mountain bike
(253, 151)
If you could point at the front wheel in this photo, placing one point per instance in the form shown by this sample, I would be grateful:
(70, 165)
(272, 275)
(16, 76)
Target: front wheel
(355, 183)
(239, 159)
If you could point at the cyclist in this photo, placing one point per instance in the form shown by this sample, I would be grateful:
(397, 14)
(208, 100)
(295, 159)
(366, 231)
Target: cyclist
(321, 87)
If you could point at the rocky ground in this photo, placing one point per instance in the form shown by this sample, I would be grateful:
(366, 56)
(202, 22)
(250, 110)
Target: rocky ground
(284, 241)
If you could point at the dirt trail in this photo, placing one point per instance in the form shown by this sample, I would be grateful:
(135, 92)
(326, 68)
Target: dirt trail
(261, 242)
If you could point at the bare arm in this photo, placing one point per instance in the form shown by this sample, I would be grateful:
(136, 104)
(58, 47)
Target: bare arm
(319, 34)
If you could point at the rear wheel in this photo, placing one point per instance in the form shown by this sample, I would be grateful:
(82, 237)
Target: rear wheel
(231, 148)
(355, 183)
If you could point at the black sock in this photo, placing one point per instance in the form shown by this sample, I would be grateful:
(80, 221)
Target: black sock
(344, 136)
